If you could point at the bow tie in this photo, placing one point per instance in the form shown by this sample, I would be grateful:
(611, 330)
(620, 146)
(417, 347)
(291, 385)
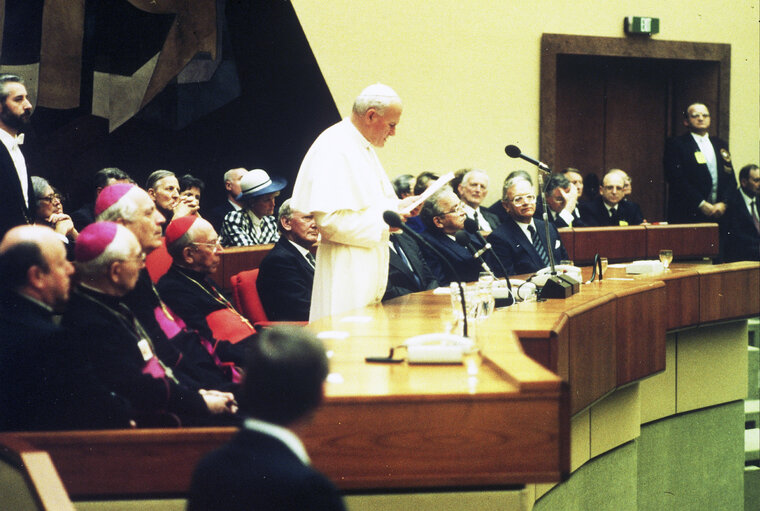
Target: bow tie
(19, 139)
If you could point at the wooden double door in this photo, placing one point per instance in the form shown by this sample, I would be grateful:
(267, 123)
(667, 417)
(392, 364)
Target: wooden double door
(616, 111)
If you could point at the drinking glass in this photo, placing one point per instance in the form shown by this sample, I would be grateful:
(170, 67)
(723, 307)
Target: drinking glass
(666, 257)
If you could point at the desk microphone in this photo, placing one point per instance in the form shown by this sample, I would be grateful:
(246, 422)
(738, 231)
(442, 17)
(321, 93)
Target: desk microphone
(394, 220)
(471, 226)
(463, 239)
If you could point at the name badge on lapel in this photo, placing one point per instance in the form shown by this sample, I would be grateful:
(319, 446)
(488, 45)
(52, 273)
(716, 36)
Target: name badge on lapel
(700, 157)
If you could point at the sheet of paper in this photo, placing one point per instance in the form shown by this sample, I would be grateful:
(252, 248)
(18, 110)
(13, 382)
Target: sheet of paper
(434, 187)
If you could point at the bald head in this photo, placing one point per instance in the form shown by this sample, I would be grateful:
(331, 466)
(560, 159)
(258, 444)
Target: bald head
(33, 263)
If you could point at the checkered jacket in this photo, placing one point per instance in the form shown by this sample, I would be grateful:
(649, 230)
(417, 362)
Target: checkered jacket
(237, 230)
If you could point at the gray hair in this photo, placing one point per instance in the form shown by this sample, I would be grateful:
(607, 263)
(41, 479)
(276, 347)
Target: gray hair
(431, 208)
(286, 211)
(467, 175)
(377, 96)
(39, 185)
(228, 175)
(556, 181)
(157, 176)
(6, 79)
(117, 250)
(512, 181)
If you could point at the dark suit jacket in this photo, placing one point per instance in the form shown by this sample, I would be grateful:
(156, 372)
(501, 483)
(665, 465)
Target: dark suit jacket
(257, 472)
(400, 277)
(13, 208)
(593, 213)
(460, 258)
(741, 241)
(516, 251)
(491, 217)
(46, 382)
(284, 283)
(689, 182)
(84, 216)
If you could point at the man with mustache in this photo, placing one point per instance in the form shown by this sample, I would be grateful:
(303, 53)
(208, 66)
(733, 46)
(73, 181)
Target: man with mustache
(16, 192)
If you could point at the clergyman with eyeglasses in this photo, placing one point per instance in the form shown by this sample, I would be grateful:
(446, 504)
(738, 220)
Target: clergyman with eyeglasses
(520, 241)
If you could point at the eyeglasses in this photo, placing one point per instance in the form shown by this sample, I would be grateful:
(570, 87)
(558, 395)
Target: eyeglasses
(523, 199)
(456, 209)
(51, 198)
(215, 245)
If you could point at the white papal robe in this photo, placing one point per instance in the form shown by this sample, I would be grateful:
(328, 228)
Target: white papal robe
(342, 182)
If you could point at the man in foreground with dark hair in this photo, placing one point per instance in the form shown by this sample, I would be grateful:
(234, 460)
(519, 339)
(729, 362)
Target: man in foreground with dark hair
(265, 466)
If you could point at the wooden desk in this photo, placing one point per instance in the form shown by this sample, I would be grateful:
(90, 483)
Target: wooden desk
(499, 422)
(688, 241)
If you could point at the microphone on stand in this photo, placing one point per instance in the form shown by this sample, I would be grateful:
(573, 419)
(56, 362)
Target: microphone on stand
(394, 220)
(514, 152)
(471, 226)
(463, 239)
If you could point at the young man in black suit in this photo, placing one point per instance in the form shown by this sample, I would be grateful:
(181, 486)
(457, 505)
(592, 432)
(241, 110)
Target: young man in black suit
(16, 195)
(741, 224)
(265, 466)
(609, 209)
(699, 171)
(286, 275)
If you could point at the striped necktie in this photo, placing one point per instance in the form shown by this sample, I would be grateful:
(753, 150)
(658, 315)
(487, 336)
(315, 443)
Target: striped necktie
(538, 245)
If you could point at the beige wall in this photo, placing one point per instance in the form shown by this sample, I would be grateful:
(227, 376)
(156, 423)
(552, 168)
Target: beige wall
(468, 72)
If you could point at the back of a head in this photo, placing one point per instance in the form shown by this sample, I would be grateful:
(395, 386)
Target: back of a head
(20, 250)
(285, 371)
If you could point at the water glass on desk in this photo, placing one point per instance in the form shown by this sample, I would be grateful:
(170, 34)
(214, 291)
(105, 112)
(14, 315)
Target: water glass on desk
(666, 257)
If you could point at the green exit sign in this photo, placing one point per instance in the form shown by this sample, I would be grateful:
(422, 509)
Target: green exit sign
(641, 25)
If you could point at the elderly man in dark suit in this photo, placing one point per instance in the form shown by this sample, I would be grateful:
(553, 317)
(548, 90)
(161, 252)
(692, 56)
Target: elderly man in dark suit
(609, 208)
(443, 215)
(741, 225)
(265, 466)
(286, 274)
(473, 190)
(520, 242)
(699, 171)
(16, 195)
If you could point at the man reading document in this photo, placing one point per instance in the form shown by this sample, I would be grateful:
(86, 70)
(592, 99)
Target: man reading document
(342, 183)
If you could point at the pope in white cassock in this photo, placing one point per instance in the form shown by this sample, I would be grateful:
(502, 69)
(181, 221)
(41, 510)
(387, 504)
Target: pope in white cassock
(342, 183)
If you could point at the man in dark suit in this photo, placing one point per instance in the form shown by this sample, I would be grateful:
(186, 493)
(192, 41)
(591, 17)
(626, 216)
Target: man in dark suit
(473, 189)
(16, 193)
(443, 215)
(699, 171)
(46, 383)
(286, 274)
(520, 242)
(265, 466)
(741, 224)
(561, 201)
(609, 209)
(232, 186)
(407, 270)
